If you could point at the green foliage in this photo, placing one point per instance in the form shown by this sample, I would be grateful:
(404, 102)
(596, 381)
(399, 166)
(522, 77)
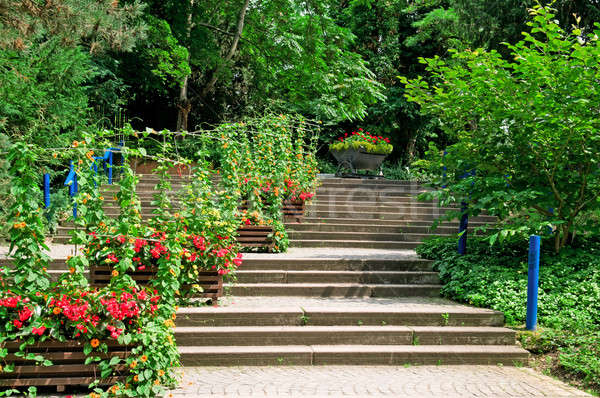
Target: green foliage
(569, 293)
(525, 130)
(48, 68)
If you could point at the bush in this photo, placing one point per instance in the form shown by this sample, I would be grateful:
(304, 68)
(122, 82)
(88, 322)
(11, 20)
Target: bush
(569, 293)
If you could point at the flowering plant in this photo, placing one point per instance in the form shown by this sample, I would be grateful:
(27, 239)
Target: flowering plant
(363, 141)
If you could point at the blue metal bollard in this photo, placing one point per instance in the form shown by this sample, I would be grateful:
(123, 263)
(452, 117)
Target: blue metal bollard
(533, 276)
(46, 190)
(462, 229)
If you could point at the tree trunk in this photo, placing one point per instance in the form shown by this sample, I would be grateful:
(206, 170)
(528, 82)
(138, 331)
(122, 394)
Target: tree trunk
(184, 105)
(236, 39)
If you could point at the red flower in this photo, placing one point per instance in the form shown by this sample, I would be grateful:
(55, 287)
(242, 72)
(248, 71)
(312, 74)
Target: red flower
(17, 323)
(39, 331)
(25, 314)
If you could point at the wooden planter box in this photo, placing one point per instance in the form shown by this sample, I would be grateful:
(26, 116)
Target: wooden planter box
(68, 368)
(255, 236)
(293, 211)
(210, 281)
(143, 166)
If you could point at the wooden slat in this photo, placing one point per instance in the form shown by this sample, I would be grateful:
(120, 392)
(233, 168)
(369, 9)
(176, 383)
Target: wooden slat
(58, 381)
(78, 369)
(67, 357)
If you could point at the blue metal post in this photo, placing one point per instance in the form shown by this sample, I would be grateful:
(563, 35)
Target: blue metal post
(462, 229)
(72, 182)
(47, 190)
(110, 167)
(533, 277)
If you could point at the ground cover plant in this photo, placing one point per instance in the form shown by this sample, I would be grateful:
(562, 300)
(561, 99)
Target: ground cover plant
(569, 296)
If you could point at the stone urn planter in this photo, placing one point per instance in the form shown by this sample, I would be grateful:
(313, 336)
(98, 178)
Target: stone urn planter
(355, 159)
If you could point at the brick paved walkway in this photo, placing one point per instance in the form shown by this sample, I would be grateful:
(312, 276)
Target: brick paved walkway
(377, 381)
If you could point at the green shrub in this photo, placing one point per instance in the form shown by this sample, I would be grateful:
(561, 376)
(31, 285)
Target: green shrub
(569, 293)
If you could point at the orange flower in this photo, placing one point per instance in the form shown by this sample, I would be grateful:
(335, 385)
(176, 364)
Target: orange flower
(133, 364)
(114, 389)
(57, 310)
(95, 343)
(19, 225)
(136, 378)
(75, 144)
(115, 272)
(161, 373)
(157, 382)
(55, 155)
(144, 358)
(71, 270)
(89, 155)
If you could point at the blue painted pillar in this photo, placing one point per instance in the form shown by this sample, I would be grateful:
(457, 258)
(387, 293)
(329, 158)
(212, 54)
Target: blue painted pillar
(110, 167)
(46, 190)
(533, 276)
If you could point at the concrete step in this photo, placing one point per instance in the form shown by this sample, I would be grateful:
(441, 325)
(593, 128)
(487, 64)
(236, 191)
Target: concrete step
(388, 192)
(383, 215)
(319, 314)
(297, 355)
(336, 335)
(377, 201)
(388, 229)
(378, 277)
(364, 236)
(335, 264)
(363, 244)
(386, 222)
(395, 208)
(364, 181)
(334, 290)
(303, 264)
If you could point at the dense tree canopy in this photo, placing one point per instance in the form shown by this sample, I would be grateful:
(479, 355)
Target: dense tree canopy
(183, 64)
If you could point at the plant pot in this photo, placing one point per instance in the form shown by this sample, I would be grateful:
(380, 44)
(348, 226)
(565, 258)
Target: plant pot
(256, 236)
(210, 281)
(68, 368)
(356, 160)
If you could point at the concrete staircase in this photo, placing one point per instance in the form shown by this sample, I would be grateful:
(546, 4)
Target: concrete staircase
(350, 291)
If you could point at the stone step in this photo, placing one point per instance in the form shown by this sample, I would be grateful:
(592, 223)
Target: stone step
(377, 208)
(384, 222)
(303, 264)
(374, 187)
(371, 228)
(361, 191)
(381, 202)
(334, 290)
(363, 236)
(363, 244)
(335, 264)
(378, 277)
(382, 215)
(346, 335)
(295, 355)
(320, 314)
